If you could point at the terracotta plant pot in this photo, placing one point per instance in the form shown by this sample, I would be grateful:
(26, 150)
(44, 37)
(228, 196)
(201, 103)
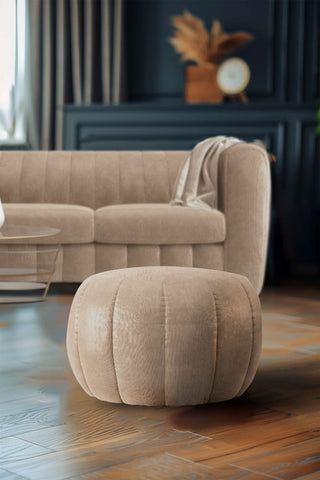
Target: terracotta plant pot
(201, 84)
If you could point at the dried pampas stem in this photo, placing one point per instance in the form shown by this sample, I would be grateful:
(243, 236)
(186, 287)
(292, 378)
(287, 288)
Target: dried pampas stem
(192, 40)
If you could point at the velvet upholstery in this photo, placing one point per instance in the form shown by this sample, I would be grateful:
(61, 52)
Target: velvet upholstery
(74, 263)
(164, 336)
(244, 198)
(111, 257)
(75, 222)
(115, 206)
(92, 179)
(153, 224)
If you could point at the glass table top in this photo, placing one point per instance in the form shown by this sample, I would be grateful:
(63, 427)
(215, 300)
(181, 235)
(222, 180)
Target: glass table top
(11, 231)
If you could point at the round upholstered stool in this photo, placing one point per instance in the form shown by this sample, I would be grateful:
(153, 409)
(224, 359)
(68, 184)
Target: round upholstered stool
(164, 335)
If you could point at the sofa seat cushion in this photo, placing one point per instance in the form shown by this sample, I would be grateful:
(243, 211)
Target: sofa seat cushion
(158, 224)
(75, 222)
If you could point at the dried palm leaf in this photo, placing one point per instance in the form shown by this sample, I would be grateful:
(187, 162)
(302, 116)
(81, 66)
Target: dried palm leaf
(189, 49)
(216, 32)
(191, 25)
(222, 44)
(228, 44)
(188, 52)
(191, 38)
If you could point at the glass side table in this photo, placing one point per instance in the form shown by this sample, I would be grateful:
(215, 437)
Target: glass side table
(26, 269)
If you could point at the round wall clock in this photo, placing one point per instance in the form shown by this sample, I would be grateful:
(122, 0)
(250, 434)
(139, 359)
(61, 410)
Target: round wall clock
(233, 76)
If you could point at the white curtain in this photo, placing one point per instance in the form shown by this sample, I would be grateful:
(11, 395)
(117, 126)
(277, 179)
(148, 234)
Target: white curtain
(12, 70)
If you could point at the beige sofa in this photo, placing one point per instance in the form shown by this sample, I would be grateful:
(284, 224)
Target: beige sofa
(113, 212)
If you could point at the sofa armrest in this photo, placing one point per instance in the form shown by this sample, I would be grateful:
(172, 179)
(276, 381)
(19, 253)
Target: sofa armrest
(244, 192)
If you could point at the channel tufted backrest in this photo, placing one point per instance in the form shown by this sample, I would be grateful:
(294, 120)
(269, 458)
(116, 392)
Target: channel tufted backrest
(93, 179)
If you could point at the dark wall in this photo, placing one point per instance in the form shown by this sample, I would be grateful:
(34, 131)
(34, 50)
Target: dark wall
(282, 57)
(283, 97)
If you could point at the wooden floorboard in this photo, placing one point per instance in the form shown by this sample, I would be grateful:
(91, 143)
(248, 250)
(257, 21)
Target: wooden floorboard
(51, 430)
(13, 449)
(5, 475)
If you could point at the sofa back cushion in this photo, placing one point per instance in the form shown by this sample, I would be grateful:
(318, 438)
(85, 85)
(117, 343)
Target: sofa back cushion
(92, 179)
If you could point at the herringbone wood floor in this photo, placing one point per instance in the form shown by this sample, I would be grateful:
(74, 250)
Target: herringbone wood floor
(50, 429)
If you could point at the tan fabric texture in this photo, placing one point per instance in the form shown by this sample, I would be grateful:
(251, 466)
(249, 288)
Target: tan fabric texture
(75, 222)
(92, 179)
(77, 262)
(196, 186)
(112, 257)
(164, 336)
(74, 263)
(54, 189)
(154, 224)
(244, 198)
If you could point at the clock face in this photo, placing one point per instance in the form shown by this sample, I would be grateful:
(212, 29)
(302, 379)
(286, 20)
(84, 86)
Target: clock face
(233, 75)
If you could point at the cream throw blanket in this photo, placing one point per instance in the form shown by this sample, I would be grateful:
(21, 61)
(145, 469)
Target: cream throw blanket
(196, 185)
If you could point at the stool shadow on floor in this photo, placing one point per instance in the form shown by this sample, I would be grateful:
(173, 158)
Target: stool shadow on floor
(287, 388)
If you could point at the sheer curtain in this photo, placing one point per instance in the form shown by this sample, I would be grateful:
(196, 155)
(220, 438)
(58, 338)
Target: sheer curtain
(74, 55)
(12, 70)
